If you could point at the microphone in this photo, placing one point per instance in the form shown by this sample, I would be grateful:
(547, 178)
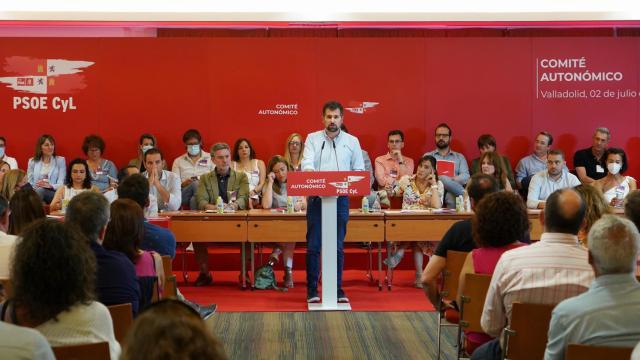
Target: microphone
(336, 152)
(321, 149)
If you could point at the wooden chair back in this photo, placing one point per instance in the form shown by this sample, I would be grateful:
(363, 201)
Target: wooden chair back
(589, 352)
(96, 351)
(170, 283)
(473, 295)
(451, 274)
(527, 332)
(122, 317)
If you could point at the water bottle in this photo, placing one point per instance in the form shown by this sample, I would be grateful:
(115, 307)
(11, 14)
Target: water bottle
(289, 205)
(365, 205)
(220, 205)
(619, 196)
(376, 204)
(466, 202)
(459, 204)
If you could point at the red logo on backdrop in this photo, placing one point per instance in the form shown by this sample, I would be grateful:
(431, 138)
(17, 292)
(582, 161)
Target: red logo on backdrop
(361, 107)
(328, 183)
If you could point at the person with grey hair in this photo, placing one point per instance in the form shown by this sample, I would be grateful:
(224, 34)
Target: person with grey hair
(607, 314)
(590, 163)
(116, 281)
(223, 182)
(632, 207)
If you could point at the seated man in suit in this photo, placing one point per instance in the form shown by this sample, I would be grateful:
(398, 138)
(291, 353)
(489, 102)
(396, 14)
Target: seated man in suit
(224, 182)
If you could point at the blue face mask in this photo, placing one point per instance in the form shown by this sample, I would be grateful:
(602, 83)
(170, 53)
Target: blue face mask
(2, 151)
(193, 150)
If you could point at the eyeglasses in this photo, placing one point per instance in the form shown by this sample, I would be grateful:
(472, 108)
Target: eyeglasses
(296, 143)
(442, 135)
(395, 141)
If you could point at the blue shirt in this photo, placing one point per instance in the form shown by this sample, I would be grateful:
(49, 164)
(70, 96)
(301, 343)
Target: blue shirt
(158, 239)
(116, 280)
(100, 178)
(460, 163)
(606, 315)
(321, 153)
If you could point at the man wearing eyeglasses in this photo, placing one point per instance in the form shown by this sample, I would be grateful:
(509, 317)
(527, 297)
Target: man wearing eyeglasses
(393, 165)
(452, 166)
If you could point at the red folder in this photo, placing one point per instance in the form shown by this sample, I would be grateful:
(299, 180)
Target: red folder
(446, 168)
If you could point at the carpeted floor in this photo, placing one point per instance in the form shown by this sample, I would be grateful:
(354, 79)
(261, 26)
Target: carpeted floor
(364, 295)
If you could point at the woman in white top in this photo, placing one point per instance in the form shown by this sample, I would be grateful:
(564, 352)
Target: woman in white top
(103, 172)
(274, 195)
(419, 192)
(244, 159)
(13, 164)
(53, 276)
(77, 181)
(615, 186)
(46, 171)
(293, 151)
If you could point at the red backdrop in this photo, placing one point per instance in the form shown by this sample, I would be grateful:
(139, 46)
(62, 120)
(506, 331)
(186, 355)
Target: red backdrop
(220, 86)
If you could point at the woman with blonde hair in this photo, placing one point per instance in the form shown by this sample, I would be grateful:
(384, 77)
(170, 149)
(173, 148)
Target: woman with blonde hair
(293, 150)
(596, 206)
(12, 181)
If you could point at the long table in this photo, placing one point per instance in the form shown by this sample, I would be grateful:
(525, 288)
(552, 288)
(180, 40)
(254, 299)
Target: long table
(271, 226)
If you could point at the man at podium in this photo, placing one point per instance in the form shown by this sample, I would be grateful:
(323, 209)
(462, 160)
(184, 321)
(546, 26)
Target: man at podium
(328, 150)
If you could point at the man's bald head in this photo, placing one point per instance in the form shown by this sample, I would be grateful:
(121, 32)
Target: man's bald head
(564, 212)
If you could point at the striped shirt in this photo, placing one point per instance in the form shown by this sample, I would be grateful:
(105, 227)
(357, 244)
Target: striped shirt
(547, 272)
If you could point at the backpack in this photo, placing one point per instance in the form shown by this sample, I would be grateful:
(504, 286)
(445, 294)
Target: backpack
(265, 278)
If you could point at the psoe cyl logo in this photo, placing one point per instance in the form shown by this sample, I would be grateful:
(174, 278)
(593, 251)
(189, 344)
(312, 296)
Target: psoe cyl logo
(361, 107)
(50, 79)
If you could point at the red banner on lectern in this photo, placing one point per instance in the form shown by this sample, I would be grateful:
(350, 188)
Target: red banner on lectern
(328, 183)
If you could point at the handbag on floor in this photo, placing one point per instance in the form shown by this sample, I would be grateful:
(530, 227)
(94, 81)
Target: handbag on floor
(265, 278)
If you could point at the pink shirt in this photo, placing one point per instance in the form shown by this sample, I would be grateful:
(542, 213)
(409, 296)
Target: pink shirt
(388, 170)
(485, 259)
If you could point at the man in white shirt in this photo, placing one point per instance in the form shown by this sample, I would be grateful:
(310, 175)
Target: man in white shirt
(328, 150)
(6, 241)
(163, 184)
(13, 164)
(547, 272)
(546, 182)
(190, 165)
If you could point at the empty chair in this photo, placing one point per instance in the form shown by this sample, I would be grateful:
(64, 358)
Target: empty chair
(472, 302)
(122, 317)
(449, 289)
(526, 335)
(95, 351)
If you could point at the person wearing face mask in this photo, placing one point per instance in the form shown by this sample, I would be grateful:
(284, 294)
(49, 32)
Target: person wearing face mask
(191, 165)
(615, 186)
(46, 171)
(3, 155)
(147, 141)
(492, 164)
(419, 192)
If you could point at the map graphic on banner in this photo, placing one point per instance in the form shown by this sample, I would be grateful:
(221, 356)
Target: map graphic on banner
(44, 76)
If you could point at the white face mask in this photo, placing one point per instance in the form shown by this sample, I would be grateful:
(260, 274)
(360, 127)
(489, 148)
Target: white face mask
(614, 168)
(193, 149)
(146, 147)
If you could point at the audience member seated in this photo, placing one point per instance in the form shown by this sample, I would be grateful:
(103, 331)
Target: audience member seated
(596, 208)
(457, 238)
(149, 211)
(12, 181)
(534, 163)
(103, 172)
(244, 160)
(17, 342)
(223, 182)
(191, 165)
(590, 162)
(493, 164)
(124, 234)
(4, 168)
(6, 241)
(168, 329)
(392, 166)
(293, 150)
(452, 166)
(546, 182)
(487, 143)
(146, 142)
(25, 207)
(116, 281)
(615, 186)
(156, 238)
(607, 314)
(46, 171)
(163, 185)
(419, 192)
(632, 207)
(546, 272)
(77, 181)
(13, 164)
(53, 277)
(274, 195)
(498, 224)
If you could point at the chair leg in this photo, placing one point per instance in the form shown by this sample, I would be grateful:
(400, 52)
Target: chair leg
(439, 333)
(185, 275)
(379, 266)
(370, 267)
